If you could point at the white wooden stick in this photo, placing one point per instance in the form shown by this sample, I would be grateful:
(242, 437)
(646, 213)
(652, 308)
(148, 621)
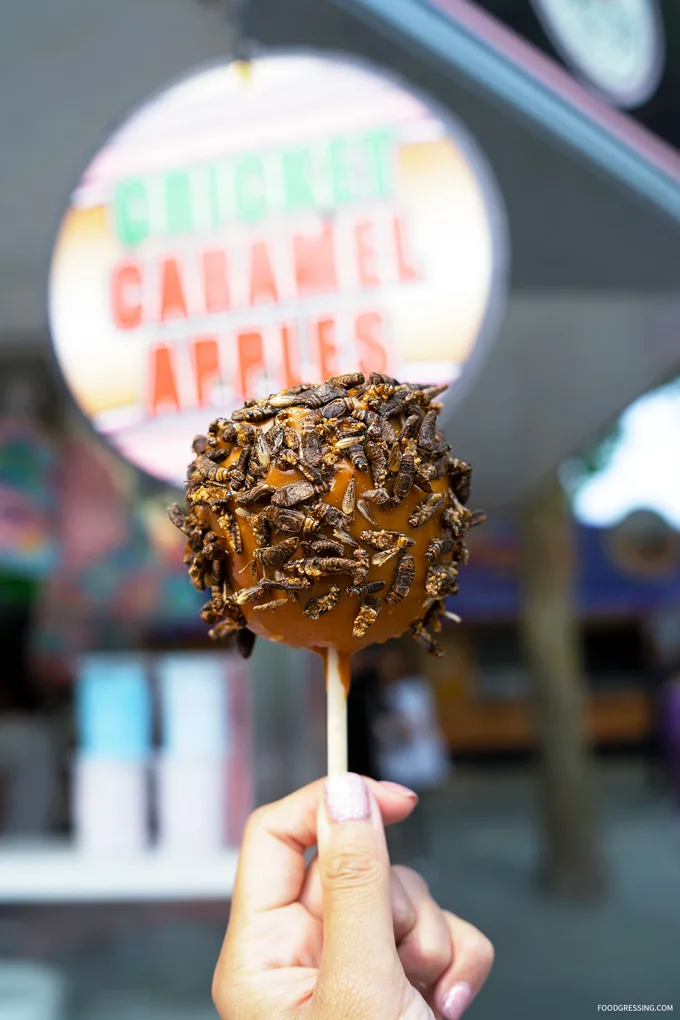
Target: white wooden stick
(336, 699)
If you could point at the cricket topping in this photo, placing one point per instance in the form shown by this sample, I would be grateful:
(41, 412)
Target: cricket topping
(327, 516)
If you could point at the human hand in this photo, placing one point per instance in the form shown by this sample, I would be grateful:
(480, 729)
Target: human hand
(347, 938)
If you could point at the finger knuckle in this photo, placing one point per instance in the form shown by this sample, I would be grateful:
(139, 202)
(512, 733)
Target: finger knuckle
(485, 951)
(402, 923)
(404, 916)
(473, 944)
(411, 879)
(256, 821)
(428, 953)
(352, 868)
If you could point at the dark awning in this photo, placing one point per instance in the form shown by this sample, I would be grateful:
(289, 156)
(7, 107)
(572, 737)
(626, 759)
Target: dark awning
(593, 203)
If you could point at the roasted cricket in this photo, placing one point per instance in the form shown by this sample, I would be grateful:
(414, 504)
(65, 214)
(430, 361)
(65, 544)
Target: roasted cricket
(330, 515)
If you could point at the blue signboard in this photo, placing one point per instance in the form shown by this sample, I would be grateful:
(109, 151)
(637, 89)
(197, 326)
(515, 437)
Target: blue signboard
(490, 585)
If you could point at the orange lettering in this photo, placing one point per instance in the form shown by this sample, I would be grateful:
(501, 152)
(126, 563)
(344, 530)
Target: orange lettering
(163, 390)
(215, 281)
(205, 355)
(173, 304)
(250, 358)
(405, 268)
(126, 300)
(314, 261)
(363, 237)
(325, 336)
(290, 358)
(373, 356)
(262, 283)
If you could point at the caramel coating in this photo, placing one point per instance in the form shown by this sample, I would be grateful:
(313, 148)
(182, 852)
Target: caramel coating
(290, 626)
(278, 563)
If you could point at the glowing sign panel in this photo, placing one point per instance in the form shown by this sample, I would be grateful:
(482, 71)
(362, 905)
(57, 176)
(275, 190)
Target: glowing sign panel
(238, 236)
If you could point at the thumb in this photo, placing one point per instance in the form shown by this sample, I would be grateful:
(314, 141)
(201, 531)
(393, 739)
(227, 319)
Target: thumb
(359, 960)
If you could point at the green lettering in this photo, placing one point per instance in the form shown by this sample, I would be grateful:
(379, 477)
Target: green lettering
(131, 211)
(178, 212)
(212, 180)
(249, 188)
(341, 172)
(379, 159)
(296, 179)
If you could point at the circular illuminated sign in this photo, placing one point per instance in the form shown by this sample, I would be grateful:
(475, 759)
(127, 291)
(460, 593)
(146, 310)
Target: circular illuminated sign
(240, 234)
(617, 46)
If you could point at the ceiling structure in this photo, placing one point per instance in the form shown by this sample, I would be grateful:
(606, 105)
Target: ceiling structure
(593, 314)
(70, 73)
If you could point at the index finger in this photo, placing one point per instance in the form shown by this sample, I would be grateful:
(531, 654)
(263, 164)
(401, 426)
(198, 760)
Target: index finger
(271, 866)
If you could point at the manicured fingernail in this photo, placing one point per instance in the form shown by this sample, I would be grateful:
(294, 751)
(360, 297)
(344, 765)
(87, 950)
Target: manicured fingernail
(457, 1001)
(403, 791)
(347, 798)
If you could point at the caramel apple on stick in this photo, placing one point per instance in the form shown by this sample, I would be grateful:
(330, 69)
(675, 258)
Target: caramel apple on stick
(328, 517)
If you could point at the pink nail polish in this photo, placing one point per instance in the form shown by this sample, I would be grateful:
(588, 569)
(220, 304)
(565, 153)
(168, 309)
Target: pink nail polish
(403, 791)
(457, 1001)
(347, 798)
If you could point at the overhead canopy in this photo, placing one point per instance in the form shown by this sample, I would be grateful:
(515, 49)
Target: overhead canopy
(593, 207)
(593, 312)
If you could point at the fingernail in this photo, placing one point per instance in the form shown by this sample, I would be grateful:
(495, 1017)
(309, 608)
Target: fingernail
(403, 791)
(457, 1001)
(347, 798)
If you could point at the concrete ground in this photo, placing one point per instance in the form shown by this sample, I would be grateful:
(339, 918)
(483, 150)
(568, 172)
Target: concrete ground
(553, 959)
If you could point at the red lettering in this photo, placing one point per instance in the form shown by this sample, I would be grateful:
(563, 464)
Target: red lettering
(405, 267)
(262, 283)
(250, 358)
(215, 282)
(290, 358)
(373, 355)
(205, 355)
(163, 391)
(126, 295)
(325, 338)
(314, 262)
(173, 303)
(363, 237)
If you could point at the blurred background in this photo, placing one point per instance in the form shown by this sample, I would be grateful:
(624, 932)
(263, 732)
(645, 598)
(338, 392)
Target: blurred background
(520, 237)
